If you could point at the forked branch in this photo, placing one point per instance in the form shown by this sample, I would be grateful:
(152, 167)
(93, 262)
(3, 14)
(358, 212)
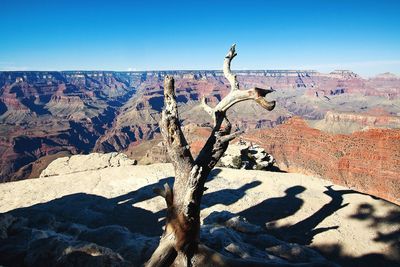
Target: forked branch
(180, 241)
(236, 95)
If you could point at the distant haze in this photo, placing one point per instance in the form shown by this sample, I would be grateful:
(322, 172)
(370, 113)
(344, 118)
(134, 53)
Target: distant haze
(160, 35)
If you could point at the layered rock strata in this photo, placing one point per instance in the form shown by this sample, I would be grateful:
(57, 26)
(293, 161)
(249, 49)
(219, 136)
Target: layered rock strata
(368, 161)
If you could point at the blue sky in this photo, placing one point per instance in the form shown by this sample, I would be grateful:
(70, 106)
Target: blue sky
(154, 35)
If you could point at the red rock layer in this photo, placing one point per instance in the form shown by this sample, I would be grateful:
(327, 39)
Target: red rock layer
(366, 161)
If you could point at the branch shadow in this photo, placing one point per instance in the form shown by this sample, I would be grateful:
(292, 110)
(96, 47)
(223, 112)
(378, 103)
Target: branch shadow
(390, 222)
(270, 210)
(96, 211)
(304, 231)
(227, 196)
(213, 174)
(76, 219)
(40, 234)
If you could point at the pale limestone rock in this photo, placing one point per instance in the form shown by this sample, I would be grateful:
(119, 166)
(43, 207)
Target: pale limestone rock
(81, 163)
(112, 215)
(244, 155)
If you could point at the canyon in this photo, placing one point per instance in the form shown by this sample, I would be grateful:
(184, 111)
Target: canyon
(367, 161)
(46, 115)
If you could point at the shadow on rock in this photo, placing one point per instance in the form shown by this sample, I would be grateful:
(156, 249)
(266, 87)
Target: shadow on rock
(83, 230)
(60, 231)
(273, 209)
(265, 213)
(304, 231)
(227, 196)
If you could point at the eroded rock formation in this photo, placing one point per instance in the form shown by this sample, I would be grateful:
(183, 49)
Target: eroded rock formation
(245, 155)
(368, 161)
(45, 114)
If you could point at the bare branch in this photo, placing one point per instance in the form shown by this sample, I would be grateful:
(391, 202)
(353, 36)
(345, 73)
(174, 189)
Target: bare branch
(164, 255)
(178, 148)
(255, 93)
(227, 68)
(236, 95)
(206, 107)
(165, 193)
(214, 149)
(230, 137)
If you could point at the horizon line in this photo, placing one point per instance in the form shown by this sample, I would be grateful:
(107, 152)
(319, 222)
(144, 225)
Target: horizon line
(190, 70)
(212, 70)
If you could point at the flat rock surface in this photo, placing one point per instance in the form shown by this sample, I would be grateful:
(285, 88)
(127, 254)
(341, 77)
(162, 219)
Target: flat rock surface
(82, 163)
(346, 226)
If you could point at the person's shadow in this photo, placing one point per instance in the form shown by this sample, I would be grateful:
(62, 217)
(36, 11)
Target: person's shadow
(304, 231)
(273, 209)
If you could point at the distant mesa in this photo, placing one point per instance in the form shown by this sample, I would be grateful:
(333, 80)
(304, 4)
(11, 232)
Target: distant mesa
(387, 75)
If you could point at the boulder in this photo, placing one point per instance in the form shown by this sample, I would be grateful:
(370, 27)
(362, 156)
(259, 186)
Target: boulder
(245, 155)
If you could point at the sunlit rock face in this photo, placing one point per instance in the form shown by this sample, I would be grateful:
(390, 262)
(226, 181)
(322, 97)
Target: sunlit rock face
(82, 163)
(365, 160)
(47, 115)
(245, 155)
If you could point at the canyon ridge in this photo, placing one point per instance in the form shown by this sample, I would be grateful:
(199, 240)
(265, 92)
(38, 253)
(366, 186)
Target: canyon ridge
(354, 121)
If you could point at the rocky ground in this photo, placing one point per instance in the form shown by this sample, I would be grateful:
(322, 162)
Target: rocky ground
(111, 216)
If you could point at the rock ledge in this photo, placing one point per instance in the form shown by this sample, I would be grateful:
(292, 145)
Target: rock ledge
(82, 163)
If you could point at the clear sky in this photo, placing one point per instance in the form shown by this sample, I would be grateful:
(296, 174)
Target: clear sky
(154, 35)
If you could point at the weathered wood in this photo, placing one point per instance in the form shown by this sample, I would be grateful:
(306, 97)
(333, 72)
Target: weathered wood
(229, 75)
(166, 193)
(178, 148)
(180, 243)
(165, 253)
(236, 95)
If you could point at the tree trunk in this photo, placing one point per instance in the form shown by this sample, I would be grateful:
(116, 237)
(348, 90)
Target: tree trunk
(180, 242)
(182, 230)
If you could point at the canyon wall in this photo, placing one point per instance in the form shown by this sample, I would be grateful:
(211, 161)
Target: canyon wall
(368, 161)
(45, 114)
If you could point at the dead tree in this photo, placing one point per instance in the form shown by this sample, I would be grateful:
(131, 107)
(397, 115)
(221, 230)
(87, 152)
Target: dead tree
(180, 242)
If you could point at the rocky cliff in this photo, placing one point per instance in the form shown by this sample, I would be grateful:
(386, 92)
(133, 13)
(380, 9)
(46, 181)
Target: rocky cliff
(347, 123)
(368, 161)
(45, 114)
(54, 113)
(84, 163)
